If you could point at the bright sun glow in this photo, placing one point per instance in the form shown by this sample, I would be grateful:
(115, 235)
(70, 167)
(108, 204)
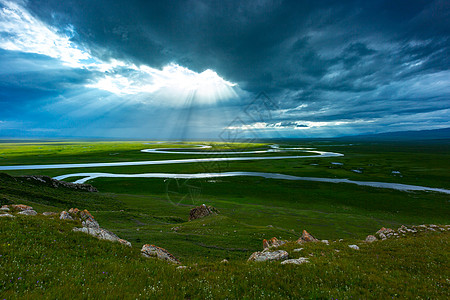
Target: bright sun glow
(173, 85)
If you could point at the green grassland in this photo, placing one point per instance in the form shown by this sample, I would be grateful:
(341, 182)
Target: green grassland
(156, 211)
(43, 258)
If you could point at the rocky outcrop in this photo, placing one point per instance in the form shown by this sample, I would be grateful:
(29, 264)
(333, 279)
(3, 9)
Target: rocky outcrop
(295, 261)
(90, 225)
(7, 215)
(158, 252)
(269, 256)
(49, 213)
(273, 243)
(100, 233)
(202, 211)
(87, 220)
(370, 238)
(384, 233)
(65, 216)
(306, 238)
(28, 212)
(48, 181)
(19, 207)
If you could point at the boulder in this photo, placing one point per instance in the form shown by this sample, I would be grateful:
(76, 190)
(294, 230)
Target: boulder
(269, 256)
(4, 208)
(272, 243)
(201, 212)
(124, 242)
(306, 237)
(355, 247)
(49, 213)
(20, 207)
(65, 216)
(28, 212)
(370, 238)
(384, 233)
(158, 252)
(7, 215)
(50, 182)
(295, 261)
(99, 233)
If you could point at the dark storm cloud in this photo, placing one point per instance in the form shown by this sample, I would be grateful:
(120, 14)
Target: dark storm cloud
(343, 59)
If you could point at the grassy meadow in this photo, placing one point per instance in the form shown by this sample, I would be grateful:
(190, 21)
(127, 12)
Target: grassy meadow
(156, 211)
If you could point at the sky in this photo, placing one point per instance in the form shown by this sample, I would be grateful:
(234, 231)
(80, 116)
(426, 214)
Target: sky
(222, 70)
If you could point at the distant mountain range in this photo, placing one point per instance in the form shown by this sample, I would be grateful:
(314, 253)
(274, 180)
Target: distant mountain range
(434, 134)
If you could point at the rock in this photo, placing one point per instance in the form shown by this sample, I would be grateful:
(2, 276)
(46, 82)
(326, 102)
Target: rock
(87, 220)
(20, 207)
(4, 208)
(124, 242)
(269, 256)
(48, 181)
(272, 243)
(158, 252)
(224, 261)
(325, 242)
(383, 233)
(370, 238)
(306, 237)
(353, 247)
(201, 212)
(49, 213)
(7, 215)
(295, 261)
(28, 212)
(65, 216)
(181, 267)
(100, 233)
(298, 249)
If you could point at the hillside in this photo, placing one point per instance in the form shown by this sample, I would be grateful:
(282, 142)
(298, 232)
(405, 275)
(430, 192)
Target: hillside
(42, 257)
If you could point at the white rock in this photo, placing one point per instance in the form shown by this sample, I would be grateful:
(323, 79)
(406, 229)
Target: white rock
(7, 215)
(269, 256)
(298, 249)
(29, 212)
(325, 242)
(353, 247)
(295, 261)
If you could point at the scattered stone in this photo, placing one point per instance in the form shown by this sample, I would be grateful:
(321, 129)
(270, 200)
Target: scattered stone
(202, 211)
(306, 237)
(296, 261)
(48, 181)
(28, 212)
(337, 250)
(20, 207)
(270, 226)
(272, 243)
(357, 171)
(158, 252)
(325, 242)
(181, 267)
(49, 213)
(4, 208)
(298, 249)
(7, 215)
(65, 216)
(370, 238)
(224, 261)
(99, 233)
(269, 256)
(124, 242)
(353, 247)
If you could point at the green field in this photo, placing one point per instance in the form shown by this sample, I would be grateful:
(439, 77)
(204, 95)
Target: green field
(251, 208)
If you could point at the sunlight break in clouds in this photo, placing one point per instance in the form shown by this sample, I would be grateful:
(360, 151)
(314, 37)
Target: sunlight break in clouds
(174, 84)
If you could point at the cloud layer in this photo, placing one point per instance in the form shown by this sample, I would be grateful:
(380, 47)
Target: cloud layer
(332, 68)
